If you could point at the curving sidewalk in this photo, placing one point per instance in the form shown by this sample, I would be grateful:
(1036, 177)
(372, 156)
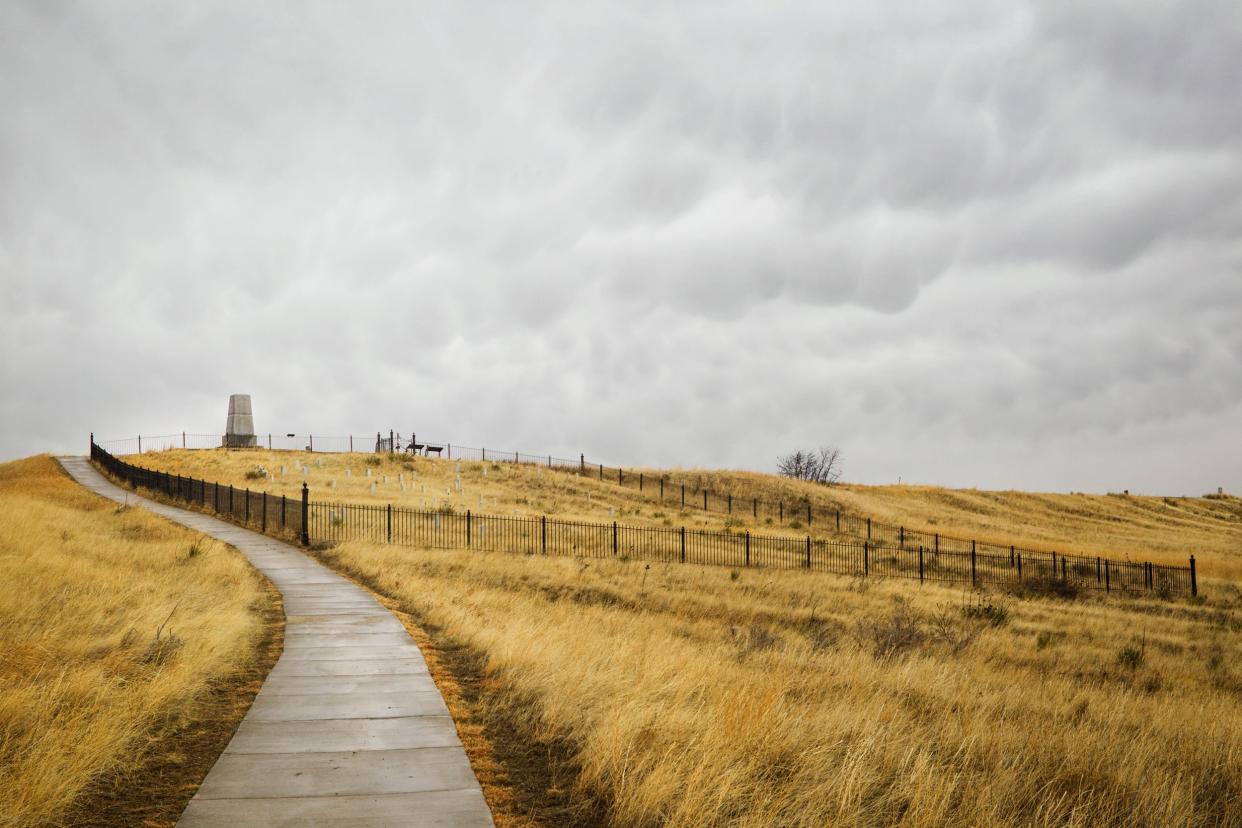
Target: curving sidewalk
(349, 728)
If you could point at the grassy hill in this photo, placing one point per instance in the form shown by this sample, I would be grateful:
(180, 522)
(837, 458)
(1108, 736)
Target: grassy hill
(129, 649)
(1164, 530)
(626, 693)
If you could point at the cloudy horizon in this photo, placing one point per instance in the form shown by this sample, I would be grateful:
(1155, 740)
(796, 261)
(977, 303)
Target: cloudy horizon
(988, 245)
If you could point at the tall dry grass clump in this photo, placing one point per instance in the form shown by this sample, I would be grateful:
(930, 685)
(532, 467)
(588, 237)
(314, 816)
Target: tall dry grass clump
(693, 696)
(113, 625)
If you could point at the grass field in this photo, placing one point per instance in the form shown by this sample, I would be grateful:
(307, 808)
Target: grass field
(680, 695)
(693, 696)
(1164, 530)
(129, 649)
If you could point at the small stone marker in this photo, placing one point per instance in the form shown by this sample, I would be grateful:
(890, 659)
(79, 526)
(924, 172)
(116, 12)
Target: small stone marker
(485, 471)
(282, 469)
(372, 487)
(385, 478)
(368, 472)
(347, 472)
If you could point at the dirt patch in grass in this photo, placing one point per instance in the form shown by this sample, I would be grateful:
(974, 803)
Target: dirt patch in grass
(155, 795)
(527, 777)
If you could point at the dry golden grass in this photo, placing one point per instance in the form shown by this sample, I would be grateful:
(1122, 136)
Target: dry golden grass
(114, 627)
(699, 696)
(1164, 530)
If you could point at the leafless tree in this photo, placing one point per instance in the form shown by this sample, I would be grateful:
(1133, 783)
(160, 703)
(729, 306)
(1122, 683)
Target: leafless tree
(822, 466)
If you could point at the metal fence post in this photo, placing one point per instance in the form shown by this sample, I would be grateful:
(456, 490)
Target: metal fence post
(973, 577)
(305, 515)
(705, 500)
(730, 504)
(920, 564)
(284, 513)
(683, 544)
(748, 547)
(390, 523)
(265, 513)
(808, 551)
(1107, 581)
(868, 528)
(866, 558)
(614, 539)
(1194, 580)
(543, 533)
(468, 521)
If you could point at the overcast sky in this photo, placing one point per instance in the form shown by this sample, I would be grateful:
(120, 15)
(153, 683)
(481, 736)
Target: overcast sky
(993, 244)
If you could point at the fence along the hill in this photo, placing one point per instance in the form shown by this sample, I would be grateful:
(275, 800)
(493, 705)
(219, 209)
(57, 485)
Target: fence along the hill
(445, 528)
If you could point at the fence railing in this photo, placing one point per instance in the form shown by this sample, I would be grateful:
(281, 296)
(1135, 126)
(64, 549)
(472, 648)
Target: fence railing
(680, 490)
(447, 528)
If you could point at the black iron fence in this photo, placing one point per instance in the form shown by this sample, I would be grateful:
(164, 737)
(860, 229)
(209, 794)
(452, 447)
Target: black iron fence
(877, 555)
(690, 491)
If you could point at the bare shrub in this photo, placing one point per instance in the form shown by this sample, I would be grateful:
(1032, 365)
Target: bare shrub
(822, 466)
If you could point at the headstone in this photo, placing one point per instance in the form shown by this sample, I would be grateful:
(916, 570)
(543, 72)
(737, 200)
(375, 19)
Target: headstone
(372, 487)
(305, 471)
(400, 477)
(239, 429)
(485, 471)
(385, 478)
(368, 472)
(348, 472)
(282, 469)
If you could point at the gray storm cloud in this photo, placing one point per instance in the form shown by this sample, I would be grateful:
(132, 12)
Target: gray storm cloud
(989, 244)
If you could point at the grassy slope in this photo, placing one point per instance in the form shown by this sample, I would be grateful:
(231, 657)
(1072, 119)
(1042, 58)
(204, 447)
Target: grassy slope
(696, 696)
(689, 697)
(91, 702)
(1149, 528)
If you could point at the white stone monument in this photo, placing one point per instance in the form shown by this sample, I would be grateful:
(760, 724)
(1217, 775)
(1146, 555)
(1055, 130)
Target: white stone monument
(239, 430)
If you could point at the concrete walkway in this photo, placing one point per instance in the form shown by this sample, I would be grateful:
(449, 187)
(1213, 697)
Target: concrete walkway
(349, 728)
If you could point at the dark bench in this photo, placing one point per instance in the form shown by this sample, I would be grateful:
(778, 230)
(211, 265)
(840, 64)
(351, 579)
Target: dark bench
(436, 449)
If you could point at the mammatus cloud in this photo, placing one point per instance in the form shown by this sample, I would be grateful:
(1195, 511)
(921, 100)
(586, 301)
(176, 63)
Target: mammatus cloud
(993, 245)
